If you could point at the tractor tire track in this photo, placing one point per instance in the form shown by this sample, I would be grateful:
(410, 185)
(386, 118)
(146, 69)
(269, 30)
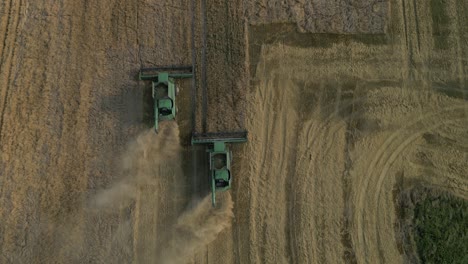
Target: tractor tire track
(416, 22)
(384, 156)
(383, 170)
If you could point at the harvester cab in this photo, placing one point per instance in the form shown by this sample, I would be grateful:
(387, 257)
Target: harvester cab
(220, 158)
(164, 90)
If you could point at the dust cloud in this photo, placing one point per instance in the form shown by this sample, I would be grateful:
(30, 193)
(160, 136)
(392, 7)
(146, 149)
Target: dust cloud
(141, 165)
(197, 228)
(152, 169)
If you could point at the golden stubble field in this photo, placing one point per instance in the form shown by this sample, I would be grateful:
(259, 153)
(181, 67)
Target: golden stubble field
(337, 124)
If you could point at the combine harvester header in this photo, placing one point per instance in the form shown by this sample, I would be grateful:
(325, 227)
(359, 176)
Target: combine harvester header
(220, 157)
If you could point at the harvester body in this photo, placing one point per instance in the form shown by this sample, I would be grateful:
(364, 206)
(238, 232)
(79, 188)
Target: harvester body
(220, 166)
(220, 158)
(164, 90)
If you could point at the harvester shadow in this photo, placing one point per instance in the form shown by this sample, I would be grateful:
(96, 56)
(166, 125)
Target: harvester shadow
(132, 106)
(148, 105)
(196, 170)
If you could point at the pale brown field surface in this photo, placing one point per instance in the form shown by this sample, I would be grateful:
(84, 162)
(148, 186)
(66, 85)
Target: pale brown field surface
(322, 16)
(337, 123)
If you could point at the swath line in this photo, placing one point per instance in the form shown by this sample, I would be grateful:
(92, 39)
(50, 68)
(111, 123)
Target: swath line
(6, 91)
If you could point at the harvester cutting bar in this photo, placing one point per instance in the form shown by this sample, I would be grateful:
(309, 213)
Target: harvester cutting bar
(227, 137)
(175, 71)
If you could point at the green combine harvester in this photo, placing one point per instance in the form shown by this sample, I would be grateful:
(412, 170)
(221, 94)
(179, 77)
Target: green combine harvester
(164, 90)
(220, 158)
